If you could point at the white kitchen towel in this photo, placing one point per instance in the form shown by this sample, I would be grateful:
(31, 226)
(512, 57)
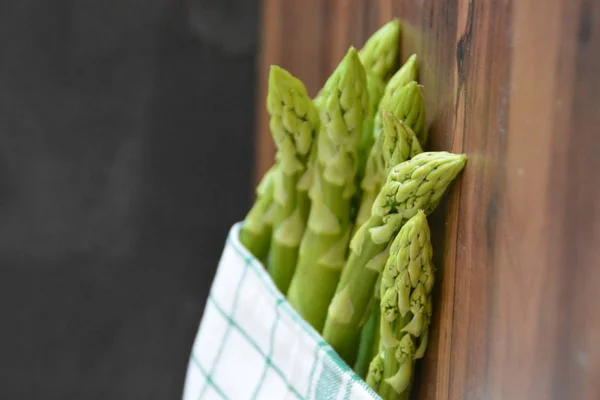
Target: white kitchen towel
(251, 344)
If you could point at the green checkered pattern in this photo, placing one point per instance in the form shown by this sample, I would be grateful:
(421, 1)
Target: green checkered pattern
(252, 345)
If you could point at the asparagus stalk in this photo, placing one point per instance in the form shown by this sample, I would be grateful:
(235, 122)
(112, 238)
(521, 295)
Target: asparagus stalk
(416, 184)
(397, 144)
(376, 310)
(371, 344)
(368, 341)
(325, 242)
(293, 123)
(407, 281)
(255, 233)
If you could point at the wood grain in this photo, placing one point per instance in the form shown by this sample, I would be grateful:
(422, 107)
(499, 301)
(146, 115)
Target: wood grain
(516, 86)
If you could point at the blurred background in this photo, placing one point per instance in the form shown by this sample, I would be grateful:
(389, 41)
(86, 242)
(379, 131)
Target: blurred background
(125, 129)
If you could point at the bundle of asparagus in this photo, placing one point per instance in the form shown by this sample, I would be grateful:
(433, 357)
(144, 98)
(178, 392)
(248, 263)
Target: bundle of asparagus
(340, 220)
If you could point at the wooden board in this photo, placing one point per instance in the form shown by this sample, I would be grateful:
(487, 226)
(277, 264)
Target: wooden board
(515, 84)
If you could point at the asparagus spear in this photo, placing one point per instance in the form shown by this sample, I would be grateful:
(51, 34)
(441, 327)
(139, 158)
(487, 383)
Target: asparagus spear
(408, 104)
(255, 234)
(325, 242)
(403, 85)
(412, 110)
(379, 55)
(407, 281)
(402, 101)
(293, 123)
(407, 73)
(397, 144)
(413, 185)
(307, 178)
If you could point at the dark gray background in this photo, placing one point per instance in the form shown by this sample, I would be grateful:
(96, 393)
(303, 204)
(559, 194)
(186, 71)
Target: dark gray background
(126, 136)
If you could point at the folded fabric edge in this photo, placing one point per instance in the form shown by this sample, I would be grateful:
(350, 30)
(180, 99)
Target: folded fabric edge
(340, 364)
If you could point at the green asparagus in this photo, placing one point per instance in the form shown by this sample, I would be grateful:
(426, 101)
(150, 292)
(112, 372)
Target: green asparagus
(416, 184)
(407, 73)
(324, 245)
(293, 123)
(255, 233)
(306, 180)
(407, 281)
(403, 97)
(379, 55)
(397, 144)
(408, 104)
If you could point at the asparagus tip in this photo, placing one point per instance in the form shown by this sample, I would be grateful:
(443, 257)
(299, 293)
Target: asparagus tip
(380, 52)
